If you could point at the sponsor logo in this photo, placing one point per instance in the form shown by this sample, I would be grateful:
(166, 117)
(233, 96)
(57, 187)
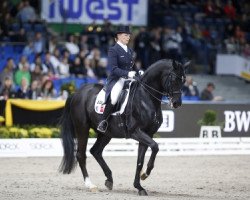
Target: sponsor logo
(210, 132)
(8, 146)
(168, 121)
(113, 10)
(38, 146)
(237, 121)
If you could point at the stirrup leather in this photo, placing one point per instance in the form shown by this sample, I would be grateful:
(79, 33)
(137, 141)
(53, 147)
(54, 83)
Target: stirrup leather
(103, 125)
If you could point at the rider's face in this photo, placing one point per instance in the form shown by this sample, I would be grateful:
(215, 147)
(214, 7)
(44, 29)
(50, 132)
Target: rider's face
(123, 38)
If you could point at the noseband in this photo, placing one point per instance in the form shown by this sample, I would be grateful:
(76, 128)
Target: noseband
(168, 82)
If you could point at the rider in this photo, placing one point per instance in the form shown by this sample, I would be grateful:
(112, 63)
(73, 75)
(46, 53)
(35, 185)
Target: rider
(120, 59)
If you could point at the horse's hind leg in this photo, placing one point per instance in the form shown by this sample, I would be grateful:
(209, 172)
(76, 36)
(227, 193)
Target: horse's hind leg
(82, 139)
(96, 151)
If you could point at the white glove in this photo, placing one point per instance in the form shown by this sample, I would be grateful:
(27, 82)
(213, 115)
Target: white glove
(131, 74)
(141, 72)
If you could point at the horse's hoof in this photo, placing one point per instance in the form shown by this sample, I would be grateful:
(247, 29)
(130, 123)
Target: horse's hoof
(143, 193)
(144, 176)
(109, 184)
(93, 189)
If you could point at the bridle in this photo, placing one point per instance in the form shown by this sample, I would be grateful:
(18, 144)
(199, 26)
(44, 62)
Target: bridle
(170, 93)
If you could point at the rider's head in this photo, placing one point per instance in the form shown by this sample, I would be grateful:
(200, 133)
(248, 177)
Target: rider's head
(122, 34)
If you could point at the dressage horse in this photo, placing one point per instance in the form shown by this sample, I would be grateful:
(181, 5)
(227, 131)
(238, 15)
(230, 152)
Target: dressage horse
(142, 118)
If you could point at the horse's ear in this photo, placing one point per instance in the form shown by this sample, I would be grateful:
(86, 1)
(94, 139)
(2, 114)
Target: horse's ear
(187, 64)
(175, 64)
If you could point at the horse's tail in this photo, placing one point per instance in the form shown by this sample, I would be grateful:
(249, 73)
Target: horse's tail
(67, 135)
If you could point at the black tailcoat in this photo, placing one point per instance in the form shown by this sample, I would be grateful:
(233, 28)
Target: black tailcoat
(121, 62)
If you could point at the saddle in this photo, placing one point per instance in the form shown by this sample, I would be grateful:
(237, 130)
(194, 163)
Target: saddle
(121, 103)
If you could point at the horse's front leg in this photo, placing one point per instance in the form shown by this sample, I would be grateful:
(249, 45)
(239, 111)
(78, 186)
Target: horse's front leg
(96, 151)
(140, 161)
(145, 141)
(150, 166)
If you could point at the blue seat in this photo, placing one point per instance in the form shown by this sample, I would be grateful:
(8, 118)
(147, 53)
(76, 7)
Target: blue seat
(39, 28)
(15, 27)
(2, 64)
(247, 36)
(27, 27)
(19, 48)
(8, 49)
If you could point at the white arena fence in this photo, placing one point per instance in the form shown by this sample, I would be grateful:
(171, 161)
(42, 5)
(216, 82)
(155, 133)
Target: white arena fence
(123, 147)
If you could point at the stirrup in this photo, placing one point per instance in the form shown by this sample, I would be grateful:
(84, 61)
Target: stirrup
(103, 125)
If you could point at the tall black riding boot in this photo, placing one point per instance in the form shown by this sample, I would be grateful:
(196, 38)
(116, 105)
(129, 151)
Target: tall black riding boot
(103, 125)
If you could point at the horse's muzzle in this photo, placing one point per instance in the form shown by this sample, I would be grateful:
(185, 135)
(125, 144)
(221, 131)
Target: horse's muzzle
(177, 104)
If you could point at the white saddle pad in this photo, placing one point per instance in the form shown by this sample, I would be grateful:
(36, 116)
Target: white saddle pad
(100, 99)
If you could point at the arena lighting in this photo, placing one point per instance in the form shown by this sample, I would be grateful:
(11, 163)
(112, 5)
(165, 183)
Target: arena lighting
(90, 28)
(98, 29)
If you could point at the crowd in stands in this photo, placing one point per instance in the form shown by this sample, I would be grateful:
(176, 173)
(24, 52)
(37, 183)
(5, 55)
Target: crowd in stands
(37, 61)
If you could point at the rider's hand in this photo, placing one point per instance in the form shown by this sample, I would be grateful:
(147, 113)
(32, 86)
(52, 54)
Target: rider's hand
(141, 72)
(131, 74)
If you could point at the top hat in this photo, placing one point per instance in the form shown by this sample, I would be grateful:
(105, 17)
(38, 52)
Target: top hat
(123, 29)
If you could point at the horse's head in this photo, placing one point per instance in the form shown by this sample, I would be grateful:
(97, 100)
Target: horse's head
(173, 83)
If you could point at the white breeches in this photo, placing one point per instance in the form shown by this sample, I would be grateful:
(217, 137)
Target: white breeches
(116, 90)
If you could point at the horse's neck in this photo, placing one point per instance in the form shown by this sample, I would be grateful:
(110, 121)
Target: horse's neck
(153, 85)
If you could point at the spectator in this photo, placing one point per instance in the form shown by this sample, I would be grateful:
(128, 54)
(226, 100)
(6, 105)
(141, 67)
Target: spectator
(83, 42)
(209, 9)
(52, 44)
(28, 49)
(71, 45)
(5, 23)
(35, 90)
(207, 93)
(246, 51)
(101, 69)
(190, 90)
(89, 68)
(23, 73)
(218, 9)
(230, 10)
(231, 45)
(77, 68)
(26, 13)
(8, 70)
(38, 61)
(22, 62)
(141, 45)
(52, 63)
(7, 89)
(39, 44)
(48, 91)
(24, 91)
(154, 47)
(172, 43)
(36, 74)
(20, 36)
(64, 68)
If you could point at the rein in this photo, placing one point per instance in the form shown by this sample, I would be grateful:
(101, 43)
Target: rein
(145, 86)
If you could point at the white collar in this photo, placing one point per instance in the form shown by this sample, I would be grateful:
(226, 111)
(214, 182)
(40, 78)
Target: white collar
(123, 46)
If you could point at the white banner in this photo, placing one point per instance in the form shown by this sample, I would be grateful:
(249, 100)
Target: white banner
(227, 64)
(123, 147)
(132, 12)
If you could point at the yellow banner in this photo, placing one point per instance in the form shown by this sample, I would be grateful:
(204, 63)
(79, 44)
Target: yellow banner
(36, 105)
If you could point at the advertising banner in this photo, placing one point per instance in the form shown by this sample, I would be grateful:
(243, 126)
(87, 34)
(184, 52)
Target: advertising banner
(228, 64)
(132, 12)
(232, 118)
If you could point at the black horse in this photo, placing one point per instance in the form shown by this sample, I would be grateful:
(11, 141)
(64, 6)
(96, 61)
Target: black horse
(142, 118)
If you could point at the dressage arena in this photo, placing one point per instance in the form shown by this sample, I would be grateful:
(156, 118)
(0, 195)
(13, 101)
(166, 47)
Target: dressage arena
(174, 177)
